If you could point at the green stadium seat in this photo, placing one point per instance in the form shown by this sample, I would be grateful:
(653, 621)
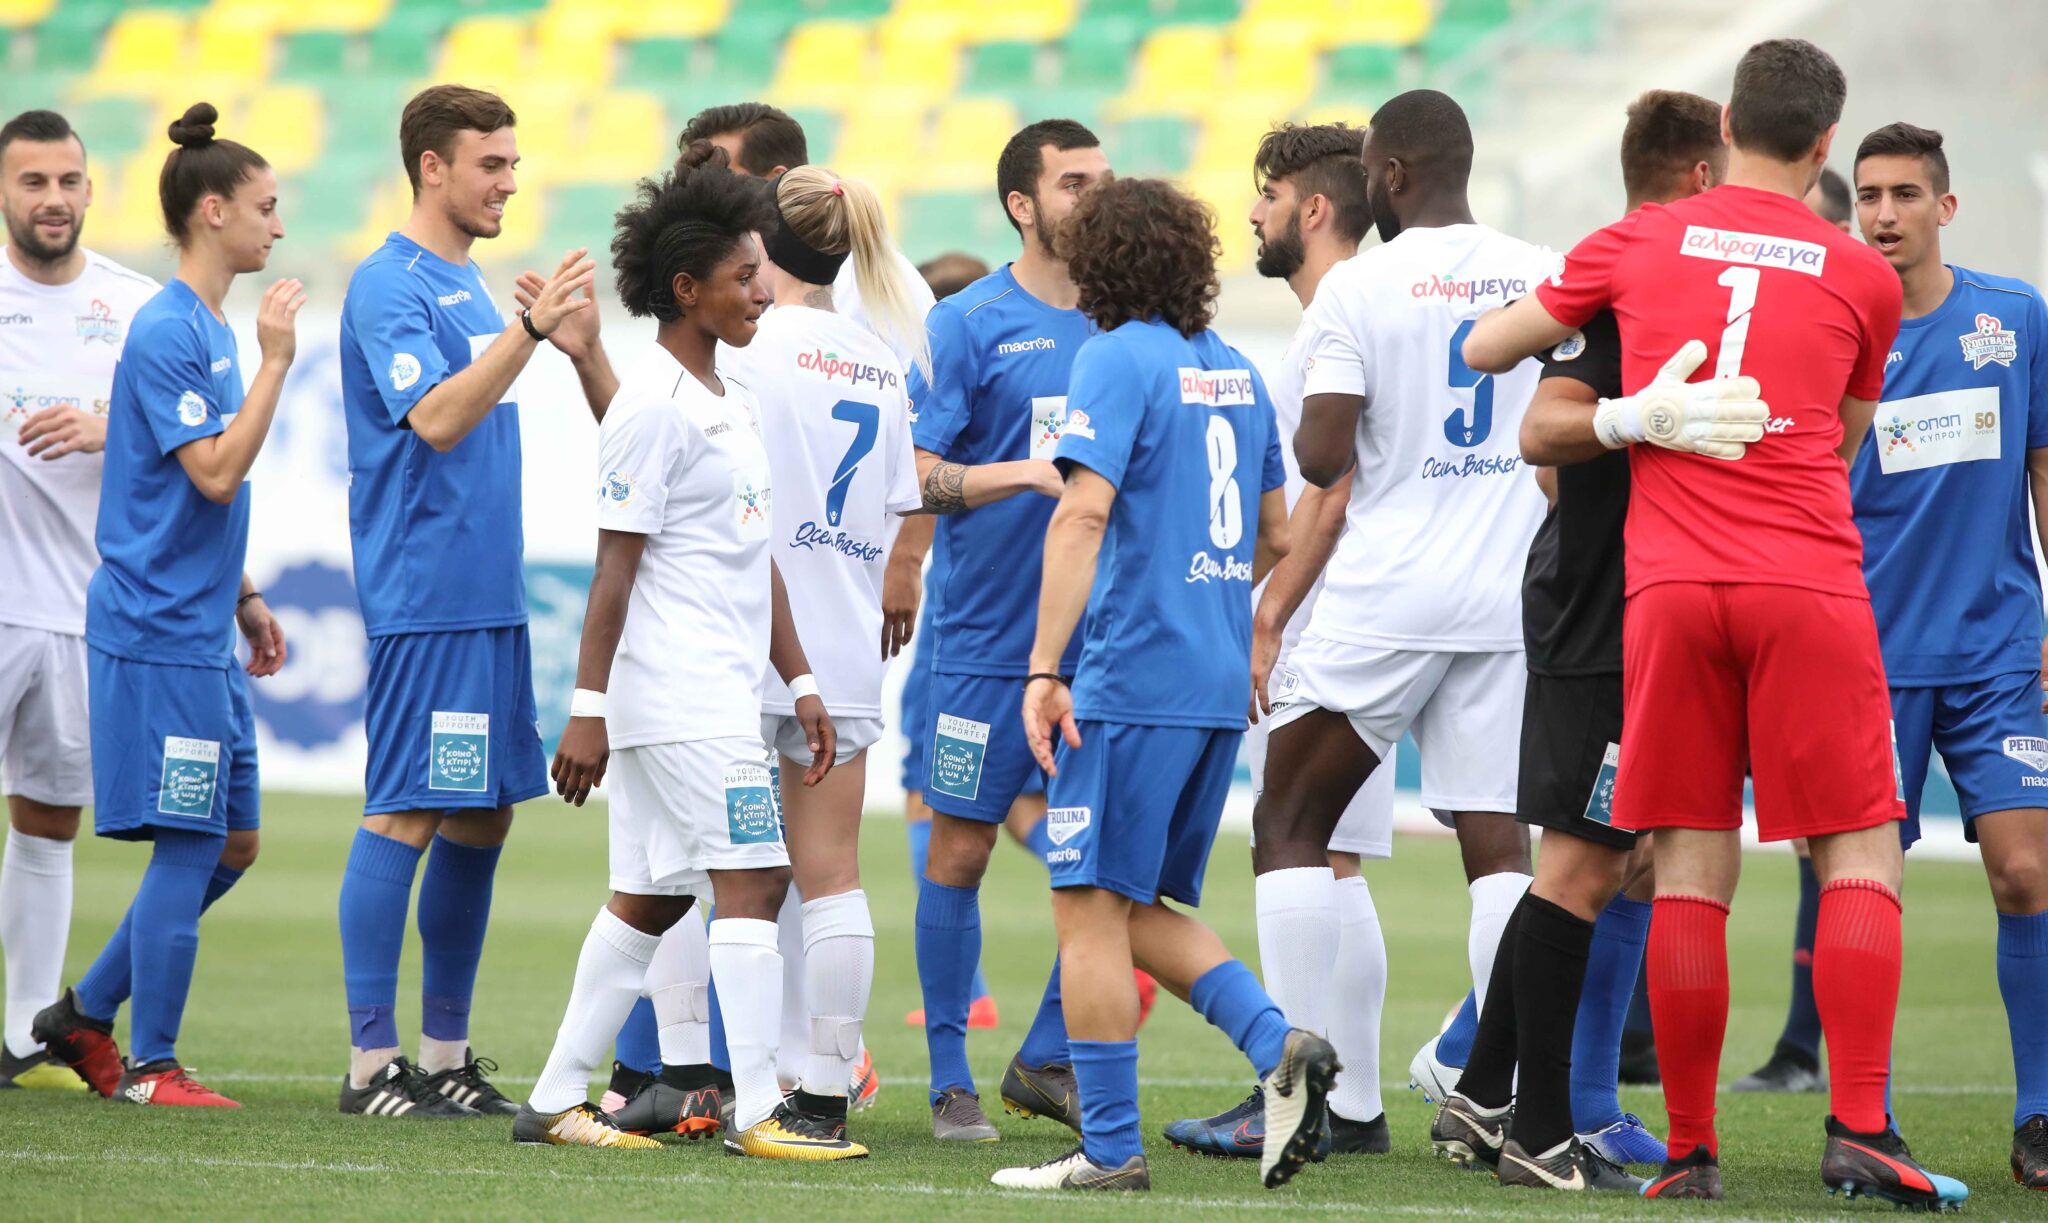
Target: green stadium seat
(581, 215)
(1097, 52)
(1131, 10)
(821, 130)
(660, 64)
(113, 126)
(1362, 70)
(69, 38)
(511, 8)
(938, 222)
(1198, 12)
(409, 41)
(319, 55)
(1450, 38)
(1494, 12)
(750, 44)
(848, 10)
(1009, 68)
(1152, 145)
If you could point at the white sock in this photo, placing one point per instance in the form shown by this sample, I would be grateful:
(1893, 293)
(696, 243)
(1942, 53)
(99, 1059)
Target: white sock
(35, 920)
(748, 969)
(679, 985)
(439, 1055)
(1298, 929)
(609, 973)
(1358, 995)
(1494, 898)
(839, 973)
(796, 1020)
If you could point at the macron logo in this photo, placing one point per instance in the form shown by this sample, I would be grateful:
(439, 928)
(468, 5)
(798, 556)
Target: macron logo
(1041, 344)
(1216, 388)
(1762, 250)
(454, 299)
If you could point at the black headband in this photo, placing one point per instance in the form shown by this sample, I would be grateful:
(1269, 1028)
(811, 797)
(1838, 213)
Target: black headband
(795, 256)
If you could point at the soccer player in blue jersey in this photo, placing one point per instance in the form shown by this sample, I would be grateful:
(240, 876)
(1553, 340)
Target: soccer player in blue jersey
(1173, 508)
(428, 367)
(173, 738)
(1942, 485)
(986, 423)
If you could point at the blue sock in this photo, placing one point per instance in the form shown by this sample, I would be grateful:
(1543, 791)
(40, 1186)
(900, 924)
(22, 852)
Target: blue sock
(164, 938)
(107, 984)
(639, 1044)
(1106, 1074)
(920, 836)
(1039, 840)
(2023, 981)
(375, 890)
(454, 909)
(948, 948)
(1619, 936)
(1454, 1047)
(1230, 997)
(1802, 1018)
(1046, 1043)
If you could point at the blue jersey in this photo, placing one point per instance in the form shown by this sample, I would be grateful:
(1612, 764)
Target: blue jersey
(1940, 487)
(439, 540)
(998, 392)
(170, 559)
(1184, 429)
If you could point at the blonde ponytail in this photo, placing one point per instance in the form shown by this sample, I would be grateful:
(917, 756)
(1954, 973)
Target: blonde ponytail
(837, 215)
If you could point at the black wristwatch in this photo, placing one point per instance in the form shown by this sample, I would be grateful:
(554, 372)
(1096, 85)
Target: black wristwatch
(526, 321)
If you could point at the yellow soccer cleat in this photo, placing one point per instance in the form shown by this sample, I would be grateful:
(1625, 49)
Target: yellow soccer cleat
(582, 1126)
(788, 1134)
(37, 1072)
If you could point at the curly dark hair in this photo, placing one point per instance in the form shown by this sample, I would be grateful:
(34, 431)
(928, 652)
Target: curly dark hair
(1139, 249)
(686, 221)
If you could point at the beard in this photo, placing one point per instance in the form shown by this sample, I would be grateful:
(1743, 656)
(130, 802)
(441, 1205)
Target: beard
(24, 238)
(1281, 254)
(1383, 218)
(1048, 232)
(480, 224)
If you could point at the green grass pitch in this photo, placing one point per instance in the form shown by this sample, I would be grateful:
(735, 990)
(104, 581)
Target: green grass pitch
(266, 1024)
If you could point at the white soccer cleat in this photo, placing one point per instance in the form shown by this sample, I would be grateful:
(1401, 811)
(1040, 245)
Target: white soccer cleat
(1075, 1170)
(1432, 1078)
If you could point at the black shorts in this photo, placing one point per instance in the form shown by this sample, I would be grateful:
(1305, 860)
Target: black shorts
(1571, 737)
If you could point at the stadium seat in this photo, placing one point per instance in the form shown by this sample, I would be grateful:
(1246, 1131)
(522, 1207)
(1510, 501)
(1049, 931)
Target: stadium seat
(322, 55)
(1097, 53)
(655, 63)
(1192, 11)
(548, 114)
(918, 57)
(229, 48)
(1010, 21)
(627, 136)
(581, 215)
(17, 14)
(1273, 61)
(672, 18)
(484, 49)
(568, 47)
(1150, 145)
(1178, 72)
(1399, 23)
(1008, 68)
(966, 138)
(144, 50)
(940, 222)
(825, 63)
(1362, 70)
(405, 42)
(881, 140)
(68, 40)
(286, 123)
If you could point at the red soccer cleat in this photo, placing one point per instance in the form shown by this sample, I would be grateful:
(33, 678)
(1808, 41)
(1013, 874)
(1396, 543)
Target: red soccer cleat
(81, 1042)
(1148, 993)
(165, 1082)
(981, 1015)
(866, 1085)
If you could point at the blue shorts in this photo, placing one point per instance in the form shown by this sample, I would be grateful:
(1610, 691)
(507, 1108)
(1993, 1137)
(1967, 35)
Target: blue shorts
(172, 747)
(451, 722)
(1135, 808)
(1992, 736)
(977, 762)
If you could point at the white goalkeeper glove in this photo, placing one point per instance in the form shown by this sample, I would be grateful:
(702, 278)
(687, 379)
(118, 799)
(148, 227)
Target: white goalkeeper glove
(1718, 418)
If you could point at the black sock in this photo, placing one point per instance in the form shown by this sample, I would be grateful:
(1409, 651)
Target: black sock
(1489, 1077)
(831, 1107)
(690, 1078)
(1550, 974)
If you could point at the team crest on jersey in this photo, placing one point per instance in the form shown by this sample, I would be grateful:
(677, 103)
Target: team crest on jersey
(98, 323)
(1063, 824)
(1570, 350)
(618, 487)
(405, 370)
(1990, 344)
(191, 409)
(1078, 425)
(2028, 750)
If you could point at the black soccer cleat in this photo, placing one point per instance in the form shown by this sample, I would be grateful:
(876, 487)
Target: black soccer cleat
(1042, 1091)
(1697, 1177)
(1879, 1165)
(1468, 1135)
(2030, 1154)
(400, 1090)
(1791, 1069)
(467, 1086)
(1348, 1137)
(667, 1107)
(1571, 1166)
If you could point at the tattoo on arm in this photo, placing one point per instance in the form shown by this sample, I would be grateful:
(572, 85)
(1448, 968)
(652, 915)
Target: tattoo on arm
(945, 488)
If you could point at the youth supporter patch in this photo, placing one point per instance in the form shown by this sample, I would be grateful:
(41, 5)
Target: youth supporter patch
(958, 745)
(1600, 807)
(1937, 429)
(750, 807)
(191, 767)
(459, 752)
(1990, 344)
(1762, 250)
(1048, 418)
(1063, 824)
(1216, 388)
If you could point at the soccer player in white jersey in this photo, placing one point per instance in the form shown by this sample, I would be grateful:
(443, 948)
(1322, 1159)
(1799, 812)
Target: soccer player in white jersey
(1310, 216)
(1418, 629)
(686, 611)
(64, 312)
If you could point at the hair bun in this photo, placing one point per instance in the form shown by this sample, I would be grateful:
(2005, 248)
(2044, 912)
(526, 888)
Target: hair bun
(703, 153)
(195, 129)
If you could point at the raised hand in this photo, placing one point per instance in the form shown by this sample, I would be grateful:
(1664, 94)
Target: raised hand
(277, 321)
(564, 294)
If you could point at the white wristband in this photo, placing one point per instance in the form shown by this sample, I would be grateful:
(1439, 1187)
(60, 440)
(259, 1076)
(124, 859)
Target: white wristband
(584, 703)
(1618, 422)
(802, 686)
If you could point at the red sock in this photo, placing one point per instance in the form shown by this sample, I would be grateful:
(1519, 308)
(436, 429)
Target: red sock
(1856, 953)
(1688, 968)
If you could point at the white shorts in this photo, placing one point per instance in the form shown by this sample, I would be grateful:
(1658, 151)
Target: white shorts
(679, 810)
(1465, 711)
(1367, 826)
(784, 734)
(45, 727)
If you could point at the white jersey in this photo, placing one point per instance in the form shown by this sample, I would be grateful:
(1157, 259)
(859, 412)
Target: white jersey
(846, 300)
(1284, 388)
(58, 348)
(837, 428)
(1441, 514)
(687, 469)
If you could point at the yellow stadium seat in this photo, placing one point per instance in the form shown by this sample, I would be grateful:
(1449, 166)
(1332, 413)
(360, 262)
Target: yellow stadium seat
(1273, 58)
(128, 217)
(285, 123)
(1394, 22)
(230, 47)
(1229, 196)
(1230, 134)
(626, 138)
(667, 18)
(17, 13)
(880, 140)
(572, 48)
(917, 56)
(297, 16)
(479, 50)
(1180, 69)
(145, 48)
(1008, 21)
(1326, 17)
(546, 131)
(824, 63)
(966, 140)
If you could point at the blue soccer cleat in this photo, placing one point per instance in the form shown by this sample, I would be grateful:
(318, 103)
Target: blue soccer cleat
(1236, 1133)
(1627, 1141)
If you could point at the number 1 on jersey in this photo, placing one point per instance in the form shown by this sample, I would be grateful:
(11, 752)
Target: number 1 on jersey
(866, 419)
(1741, 285)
